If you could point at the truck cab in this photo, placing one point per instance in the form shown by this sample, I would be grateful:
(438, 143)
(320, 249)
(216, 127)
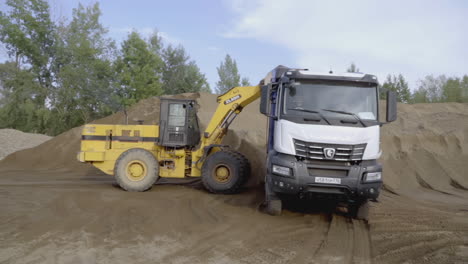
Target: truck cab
(323, 136)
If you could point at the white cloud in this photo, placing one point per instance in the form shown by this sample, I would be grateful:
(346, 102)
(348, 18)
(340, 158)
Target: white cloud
(412, 37)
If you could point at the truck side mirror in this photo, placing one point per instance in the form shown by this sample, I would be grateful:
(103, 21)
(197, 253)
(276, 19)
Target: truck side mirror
(391, 106)
(265, 99)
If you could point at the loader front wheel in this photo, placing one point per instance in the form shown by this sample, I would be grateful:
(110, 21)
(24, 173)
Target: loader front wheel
(136, 170)
(225, 172)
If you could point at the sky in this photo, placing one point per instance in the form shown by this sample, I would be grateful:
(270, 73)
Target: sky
(415, 38)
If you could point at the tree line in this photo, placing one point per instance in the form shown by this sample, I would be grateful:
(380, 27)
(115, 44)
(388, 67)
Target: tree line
(430, 89)
(63, 74)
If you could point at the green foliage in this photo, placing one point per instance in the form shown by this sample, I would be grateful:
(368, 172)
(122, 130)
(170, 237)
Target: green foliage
(451, 90)
(464, 88)
(84, 72)
(420, 96)
(64, 74)
(138, 69)
(441, 89)
(28, 35)
(19, 109)
(352, 68)
(432, 88)
(180, 75)
(229, 76)
(399, 85)
(245, 82)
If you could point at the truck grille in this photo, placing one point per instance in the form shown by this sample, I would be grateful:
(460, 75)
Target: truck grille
(312, 150)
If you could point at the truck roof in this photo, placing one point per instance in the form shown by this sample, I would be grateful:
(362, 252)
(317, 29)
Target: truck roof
(283, 71)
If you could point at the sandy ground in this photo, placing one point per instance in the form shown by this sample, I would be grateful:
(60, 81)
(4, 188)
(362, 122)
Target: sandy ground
(55, 210)
(88, 219)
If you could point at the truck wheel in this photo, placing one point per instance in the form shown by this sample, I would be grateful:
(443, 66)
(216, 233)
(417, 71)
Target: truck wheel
(360, 210)
(273, 207)
(225, 172)
(136, 170)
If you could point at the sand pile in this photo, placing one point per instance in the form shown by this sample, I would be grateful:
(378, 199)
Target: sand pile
(12, 140)
(426, 148)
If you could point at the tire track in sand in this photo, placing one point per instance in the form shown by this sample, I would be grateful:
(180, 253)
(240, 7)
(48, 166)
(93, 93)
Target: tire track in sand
(346, 241)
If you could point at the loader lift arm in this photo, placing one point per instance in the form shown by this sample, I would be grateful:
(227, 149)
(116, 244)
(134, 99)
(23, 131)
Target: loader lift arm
(230, 104)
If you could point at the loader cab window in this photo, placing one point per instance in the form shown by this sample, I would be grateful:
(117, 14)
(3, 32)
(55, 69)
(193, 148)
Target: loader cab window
(177, 113)
(178, 123)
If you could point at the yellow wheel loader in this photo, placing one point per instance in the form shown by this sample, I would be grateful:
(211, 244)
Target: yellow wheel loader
(137, 155)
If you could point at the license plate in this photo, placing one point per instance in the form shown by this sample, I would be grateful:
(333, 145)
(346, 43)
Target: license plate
(328, 180)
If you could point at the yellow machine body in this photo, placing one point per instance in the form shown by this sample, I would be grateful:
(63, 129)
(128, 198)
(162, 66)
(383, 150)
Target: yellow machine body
(102, 145)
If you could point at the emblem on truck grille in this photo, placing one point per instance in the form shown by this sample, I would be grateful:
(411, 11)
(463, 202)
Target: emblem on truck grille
(329, 153)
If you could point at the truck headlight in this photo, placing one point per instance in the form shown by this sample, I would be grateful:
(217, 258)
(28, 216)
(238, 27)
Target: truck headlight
(373, 176)
(285, 171)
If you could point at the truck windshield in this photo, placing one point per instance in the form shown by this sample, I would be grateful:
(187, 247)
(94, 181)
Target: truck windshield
(304, 99)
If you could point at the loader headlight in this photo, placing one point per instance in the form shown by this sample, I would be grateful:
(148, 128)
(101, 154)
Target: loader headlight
(285, 171)
(373, 176)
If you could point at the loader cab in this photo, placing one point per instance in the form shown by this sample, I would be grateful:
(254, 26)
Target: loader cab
(178, 123)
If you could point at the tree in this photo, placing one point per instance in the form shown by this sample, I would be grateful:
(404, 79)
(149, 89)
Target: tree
(245, 82)
(180, 75)
(352, 68)
(229, 76)
(433, 87)
(28, 35)
(84, 71)
(194, 78)
(464, 88)
(399, 85)
(452, 91)
(403, 91)
(19, 110)
(138, 69)
(419, 96)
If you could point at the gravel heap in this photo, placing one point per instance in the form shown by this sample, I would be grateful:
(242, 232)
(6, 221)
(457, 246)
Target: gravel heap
(12, 140)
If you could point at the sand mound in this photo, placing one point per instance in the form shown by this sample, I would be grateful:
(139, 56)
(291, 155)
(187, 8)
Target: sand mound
(12, 140)
(425, 149)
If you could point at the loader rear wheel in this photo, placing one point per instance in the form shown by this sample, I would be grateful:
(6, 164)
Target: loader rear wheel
(136, 170)
(225, 172)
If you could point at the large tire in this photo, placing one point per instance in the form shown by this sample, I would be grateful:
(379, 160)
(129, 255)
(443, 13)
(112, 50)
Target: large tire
(136, 170)
(225, 172)
(274, 207)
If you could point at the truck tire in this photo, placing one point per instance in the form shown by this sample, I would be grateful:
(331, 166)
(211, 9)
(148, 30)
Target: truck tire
(360, 210)
(273, 207)
(225, 172)
(136, 170)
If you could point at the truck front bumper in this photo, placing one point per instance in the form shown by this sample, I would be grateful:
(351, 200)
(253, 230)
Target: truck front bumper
(349, 181)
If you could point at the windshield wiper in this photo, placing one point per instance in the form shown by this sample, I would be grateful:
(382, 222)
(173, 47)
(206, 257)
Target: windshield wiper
(346, 113)
(310, 111)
